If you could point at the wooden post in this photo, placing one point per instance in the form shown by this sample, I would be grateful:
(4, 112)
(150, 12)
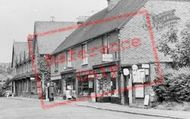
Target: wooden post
(122, 90)
(130, 90)
(76, 87)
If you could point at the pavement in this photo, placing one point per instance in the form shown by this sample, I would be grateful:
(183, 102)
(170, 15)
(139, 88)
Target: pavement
(137, 111)
(88, 109)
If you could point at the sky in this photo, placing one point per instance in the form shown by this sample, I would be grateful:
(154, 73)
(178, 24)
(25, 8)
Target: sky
(17, 17)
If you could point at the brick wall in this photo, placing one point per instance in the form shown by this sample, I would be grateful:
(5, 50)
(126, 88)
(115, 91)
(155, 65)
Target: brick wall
(94, 54)
(135, 28)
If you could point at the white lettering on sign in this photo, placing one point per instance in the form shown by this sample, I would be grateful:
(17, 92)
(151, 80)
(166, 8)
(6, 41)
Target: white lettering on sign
(163, 20)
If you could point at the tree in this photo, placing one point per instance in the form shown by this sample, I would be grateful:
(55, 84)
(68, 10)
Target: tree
(44, 72)
(176, 83)
(176, 44)
(44, 69)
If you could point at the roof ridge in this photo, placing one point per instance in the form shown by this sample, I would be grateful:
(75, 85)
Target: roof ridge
(55, 22)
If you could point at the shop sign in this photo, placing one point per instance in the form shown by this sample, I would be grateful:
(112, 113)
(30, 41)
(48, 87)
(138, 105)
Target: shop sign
(107, 57)
(91, 76)
(163, 20)
(126, 72)
(88, 72)
(145, 66)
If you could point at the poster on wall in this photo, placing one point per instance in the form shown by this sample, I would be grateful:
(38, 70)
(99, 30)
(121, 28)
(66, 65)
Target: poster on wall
(139, 91)
(139, 76)
(141, 73)
(135, 76)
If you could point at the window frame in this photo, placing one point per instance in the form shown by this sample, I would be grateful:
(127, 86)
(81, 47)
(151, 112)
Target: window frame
(85, 54)
(105, 44)
(68, 57)
(56, 69)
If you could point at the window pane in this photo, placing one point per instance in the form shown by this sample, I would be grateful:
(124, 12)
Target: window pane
(85, 54)
(105, 45)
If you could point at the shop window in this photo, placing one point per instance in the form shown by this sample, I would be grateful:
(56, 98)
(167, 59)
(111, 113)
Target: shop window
(84, 87)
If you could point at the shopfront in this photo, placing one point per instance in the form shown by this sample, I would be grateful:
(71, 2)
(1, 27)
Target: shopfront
(69, 83)
(107, 83)
(57, 81)
(86, 82)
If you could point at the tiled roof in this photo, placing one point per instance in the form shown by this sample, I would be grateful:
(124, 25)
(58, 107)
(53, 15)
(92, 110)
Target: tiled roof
(48, 43)
(91, 31)
(23, 76)
(20, 49)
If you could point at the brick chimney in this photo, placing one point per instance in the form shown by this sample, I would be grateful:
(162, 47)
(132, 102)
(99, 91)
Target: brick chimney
(112, 4)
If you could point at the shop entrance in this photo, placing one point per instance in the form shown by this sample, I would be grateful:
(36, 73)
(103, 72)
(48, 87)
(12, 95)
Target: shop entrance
(136, 81)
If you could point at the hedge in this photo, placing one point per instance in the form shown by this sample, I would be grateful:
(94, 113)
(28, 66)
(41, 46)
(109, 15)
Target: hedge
(175, 86)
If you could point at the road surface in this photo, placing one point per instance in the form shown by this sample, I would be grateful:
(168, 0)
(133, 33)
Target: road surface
(26, 109)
